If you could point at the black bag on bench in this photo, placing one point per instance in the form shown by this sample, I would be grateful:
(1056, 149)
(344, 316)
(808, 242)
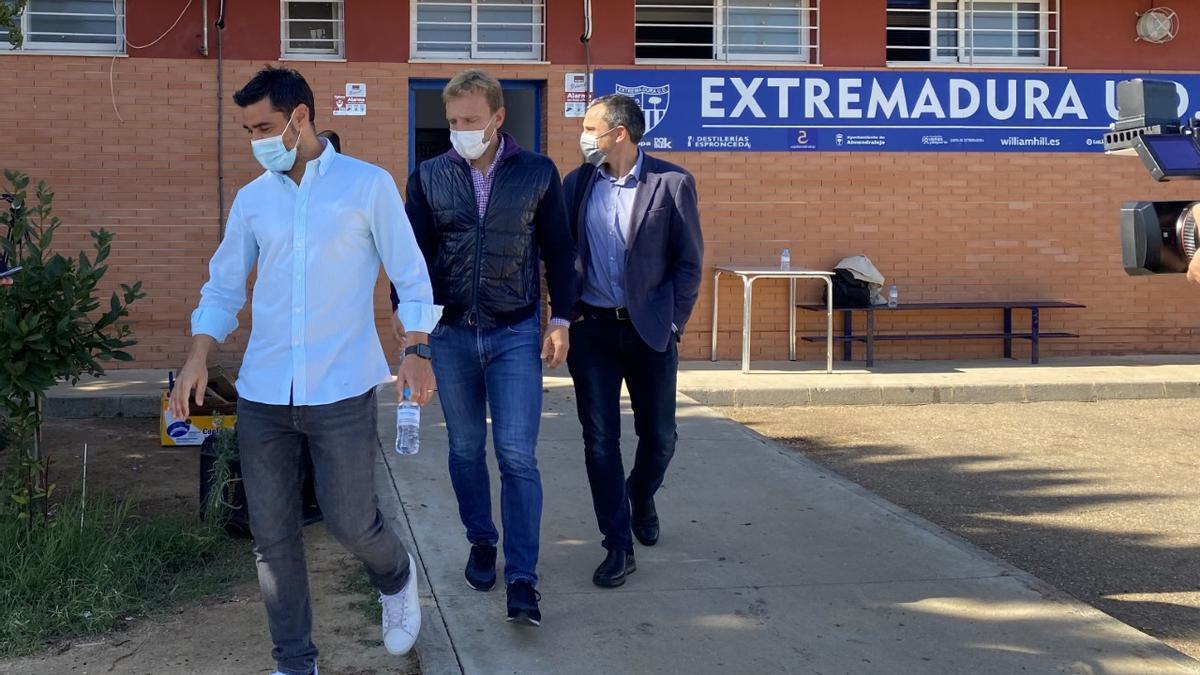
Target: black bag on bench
(849, 291)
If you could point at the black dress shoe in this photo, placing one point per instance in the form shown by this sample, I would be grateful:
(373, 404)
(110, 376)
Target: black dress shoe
(645, 522)
(481, 567)
(612, 572)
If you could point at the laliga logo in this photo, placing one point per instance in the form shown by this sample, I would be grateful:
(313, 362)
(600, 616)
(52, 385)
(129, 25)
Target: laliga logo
(653, 101)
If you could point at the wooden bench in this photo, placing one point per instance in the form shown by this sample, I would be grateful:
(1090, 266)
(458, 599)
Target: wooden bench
(1035, 334)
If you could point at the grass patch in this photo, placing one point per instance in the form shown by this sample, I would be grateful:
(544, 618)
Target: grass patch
(366, 600)
(68, 581)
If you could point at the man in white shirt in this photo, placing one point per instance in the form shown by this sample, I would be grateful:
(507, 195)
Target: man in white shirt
(318, 224)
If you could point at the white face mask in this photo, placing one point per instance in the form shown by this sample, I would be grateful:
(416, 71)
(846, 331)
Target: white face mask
(470, 144)
(589, 145)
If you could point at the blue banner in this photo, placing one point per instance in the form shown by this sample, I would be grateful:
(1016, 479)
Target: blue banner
(878, 111)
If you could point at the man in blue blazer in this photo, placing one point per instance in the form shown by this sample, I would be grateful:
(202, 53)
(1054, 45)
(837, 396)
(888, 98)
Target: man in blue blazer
(637, 229)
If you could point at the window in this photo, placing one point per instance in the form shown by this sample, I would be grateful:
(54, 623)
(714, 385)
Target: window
(87, 26)
(727, 30)
(479, 29)
(970, 32)
(312, 29)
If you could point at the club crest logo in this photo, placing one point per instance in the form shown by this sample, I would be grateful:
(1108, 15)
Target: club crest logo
(654, 101)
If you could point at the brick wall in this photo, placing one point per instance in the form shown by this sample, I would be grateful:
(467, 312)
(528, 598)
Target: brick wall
(944, 225)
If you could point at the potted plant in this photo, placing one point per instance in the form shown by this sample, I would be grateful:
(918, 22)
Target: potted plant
(222, 495)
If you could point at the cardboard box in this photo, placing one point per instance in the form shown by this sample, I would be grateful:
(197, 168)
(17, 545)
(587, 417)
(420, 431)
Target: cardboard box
(218, 412)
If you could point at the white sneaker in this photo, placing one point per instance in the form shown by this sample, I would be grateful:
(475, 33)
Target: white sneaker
(402, 615)
(314, 672)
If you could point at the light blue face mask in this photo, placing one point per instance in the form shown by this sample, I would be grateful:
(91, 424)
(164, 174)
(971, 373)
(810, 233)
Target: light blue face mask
(273, 154)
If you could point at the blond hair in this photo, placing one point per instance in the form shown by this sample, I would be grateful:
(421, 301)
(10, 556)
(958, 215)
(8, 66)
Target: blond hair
(471, 81)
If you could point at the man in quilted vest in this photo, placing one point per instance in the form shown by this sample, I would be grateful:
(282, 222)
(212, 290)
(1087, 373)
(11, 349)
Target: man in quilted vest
(487, 214)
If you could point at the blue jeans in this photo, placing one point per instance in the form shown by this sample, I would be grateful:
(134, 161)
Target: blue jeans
(500, 368)
(343, 440)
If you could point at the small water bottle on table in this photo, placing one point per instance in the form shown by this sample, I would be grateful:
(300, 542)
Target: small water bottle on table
(785, 259)
(893, 296)
(408, 426)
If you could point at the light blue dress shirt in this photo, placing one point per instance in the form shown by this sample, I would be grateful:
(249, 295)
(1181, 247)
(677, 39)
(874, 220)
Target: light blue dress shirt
(609, 219)
(318, 246)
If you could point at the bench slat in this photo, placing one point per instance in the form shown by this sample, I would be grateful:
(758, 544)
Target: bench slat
(998, 304)
(940, 336)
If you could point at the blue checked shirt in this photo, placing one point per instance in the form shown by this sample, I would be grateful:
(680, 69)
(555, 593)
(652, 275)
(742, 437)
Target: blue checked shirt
(609, 219)
(318, 247)
(483, 182)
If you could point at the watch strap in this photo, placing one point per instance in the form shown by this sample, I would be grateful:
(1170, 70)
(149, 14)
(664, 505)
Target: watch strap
(421, 350)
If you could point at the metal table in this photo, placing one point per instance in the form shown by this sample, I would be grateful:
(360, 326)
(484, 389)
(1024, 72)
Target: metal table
(751, 274)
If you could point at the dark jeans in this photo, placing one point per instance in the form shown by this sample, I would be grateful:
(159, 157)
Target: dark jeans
(343, 441)
(500, 369)
(604, 352)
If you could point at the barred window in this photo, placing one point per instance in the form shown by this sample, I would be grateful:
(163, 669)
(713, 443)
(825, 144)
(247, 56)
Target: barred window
(971, 32)
(727, 30)
(313, 29)
(87, 26)
(479, 29)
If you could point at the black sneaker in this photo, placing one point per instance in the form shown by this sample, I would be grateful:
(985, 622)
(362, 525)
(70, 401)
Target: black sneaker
(523, 604)
(481, 567)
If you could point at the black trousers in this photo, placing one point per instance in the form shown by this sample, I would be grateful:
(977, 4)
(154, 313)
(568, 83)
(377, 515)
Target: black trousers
(606, 351)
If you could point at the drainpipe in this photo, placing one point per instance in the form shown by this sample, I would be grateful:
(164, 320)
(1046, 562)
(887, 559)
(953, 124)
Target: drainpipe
(220, 25)
(586, 39)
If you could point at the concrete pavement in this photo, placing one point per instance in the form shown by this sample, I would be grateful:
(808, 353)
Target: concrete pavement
(1095, 378)
(1098, 499)
(767, 563)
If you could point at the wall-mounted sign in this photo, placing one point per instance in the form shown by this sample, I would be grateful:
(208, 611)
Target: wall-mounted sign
(898, 111)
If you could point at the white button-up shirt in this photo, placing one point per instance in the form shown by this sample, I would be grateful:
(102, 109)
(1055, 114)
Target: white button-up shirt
(319, 245)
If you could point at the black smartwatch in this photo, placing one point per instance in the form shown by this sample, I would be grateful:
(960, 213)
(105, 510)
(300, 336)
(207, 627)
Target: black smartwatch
(422, 350)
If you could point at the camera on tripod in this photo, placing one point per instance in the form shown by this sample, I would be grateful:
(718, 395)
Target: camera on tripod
(1156, 237)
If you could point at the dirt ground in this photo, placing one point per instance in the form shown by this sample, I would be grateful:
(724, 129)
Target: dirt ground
(1099, 499)
(222, 635)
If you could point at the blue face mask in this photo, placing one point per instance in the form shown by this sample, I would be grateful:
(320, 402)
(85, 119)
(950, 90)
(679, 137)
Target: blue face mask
(273, 154)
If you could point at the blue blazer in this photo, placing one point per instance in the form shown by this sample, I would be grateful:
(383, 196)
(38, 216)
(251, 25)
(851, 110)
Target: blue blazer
(665, 251)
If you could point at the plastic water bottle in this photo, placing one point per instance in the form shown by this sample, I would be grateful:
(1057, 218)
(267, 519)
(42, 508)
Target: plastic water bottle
(893, 296)
(785, 260)
(408, 426)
